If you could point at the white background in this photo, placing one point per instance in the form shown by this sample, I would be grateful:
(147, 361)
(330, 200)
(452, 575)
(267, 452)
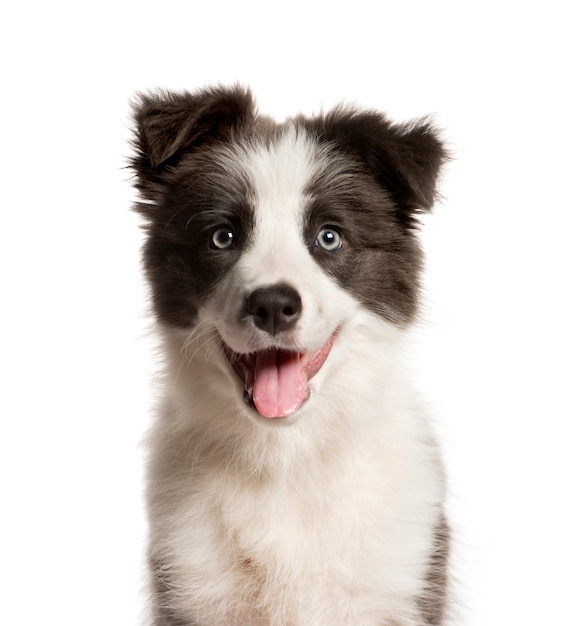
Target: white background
(76, 362)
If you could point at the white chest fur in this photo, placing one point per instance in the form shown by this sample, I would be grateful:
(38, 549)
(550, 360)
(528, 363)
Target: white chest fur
(336, 531)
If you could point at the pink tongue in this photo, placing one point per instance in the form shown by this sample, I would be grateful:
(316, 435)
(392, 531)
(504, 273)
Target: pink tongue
(280, 383)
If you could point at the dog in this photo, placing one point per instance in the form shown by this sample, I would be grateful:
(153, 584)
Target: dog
(293, 479)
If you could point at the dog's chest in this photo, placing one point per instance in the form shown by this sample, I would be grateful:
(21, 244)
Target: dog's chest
(288, 549)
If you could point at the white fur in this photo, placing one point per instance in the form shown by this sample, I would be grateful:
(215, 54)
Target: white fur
(323, 518)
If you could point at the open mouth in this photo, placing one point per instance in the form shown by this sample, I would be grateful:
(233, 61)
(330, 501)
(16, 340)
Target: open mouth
(276, 381)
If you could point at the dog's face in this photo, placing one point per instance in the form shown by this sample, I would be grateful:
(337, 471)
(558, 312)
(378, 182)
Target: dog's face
(270, 239)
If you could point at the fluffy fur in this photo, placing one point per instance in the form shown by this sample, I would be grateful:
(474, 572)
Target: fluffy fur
(293, 479)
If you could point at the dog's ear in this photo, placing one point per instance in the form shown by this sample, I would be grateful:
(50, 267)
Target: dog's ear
(168, 123)
(405, 159)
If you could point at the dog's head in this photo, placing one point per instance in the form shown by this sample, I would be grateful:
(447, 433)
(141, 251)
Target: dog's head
(270, 239)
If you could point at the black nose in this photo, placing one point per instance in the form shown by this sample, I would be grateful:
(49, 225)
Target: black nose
(274, 309)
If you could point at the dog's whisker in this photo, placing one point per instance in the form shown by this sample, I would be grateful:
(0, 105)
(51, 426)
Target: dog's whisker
(203, 339)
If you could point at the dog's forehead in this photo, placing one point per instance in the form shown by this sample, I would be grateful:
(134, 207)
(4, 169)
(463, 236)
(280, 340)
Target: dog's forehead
(284, 164)
(279, 171)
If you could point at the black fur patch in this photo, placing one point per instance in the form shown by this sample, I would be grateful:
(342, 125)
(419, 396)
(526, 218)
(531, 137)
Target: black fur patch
(181, 263)
(380, 259)
(404, 159)
(187, 194)
(393, 174)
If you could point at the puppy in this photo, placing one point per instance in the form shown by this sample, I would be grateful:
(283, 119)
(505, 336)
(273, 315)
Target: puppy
(293, 479)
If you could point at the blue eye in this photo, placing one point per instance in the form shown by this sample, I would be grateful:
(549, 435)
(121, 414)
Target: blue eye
(223, 238)
(329, 239)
